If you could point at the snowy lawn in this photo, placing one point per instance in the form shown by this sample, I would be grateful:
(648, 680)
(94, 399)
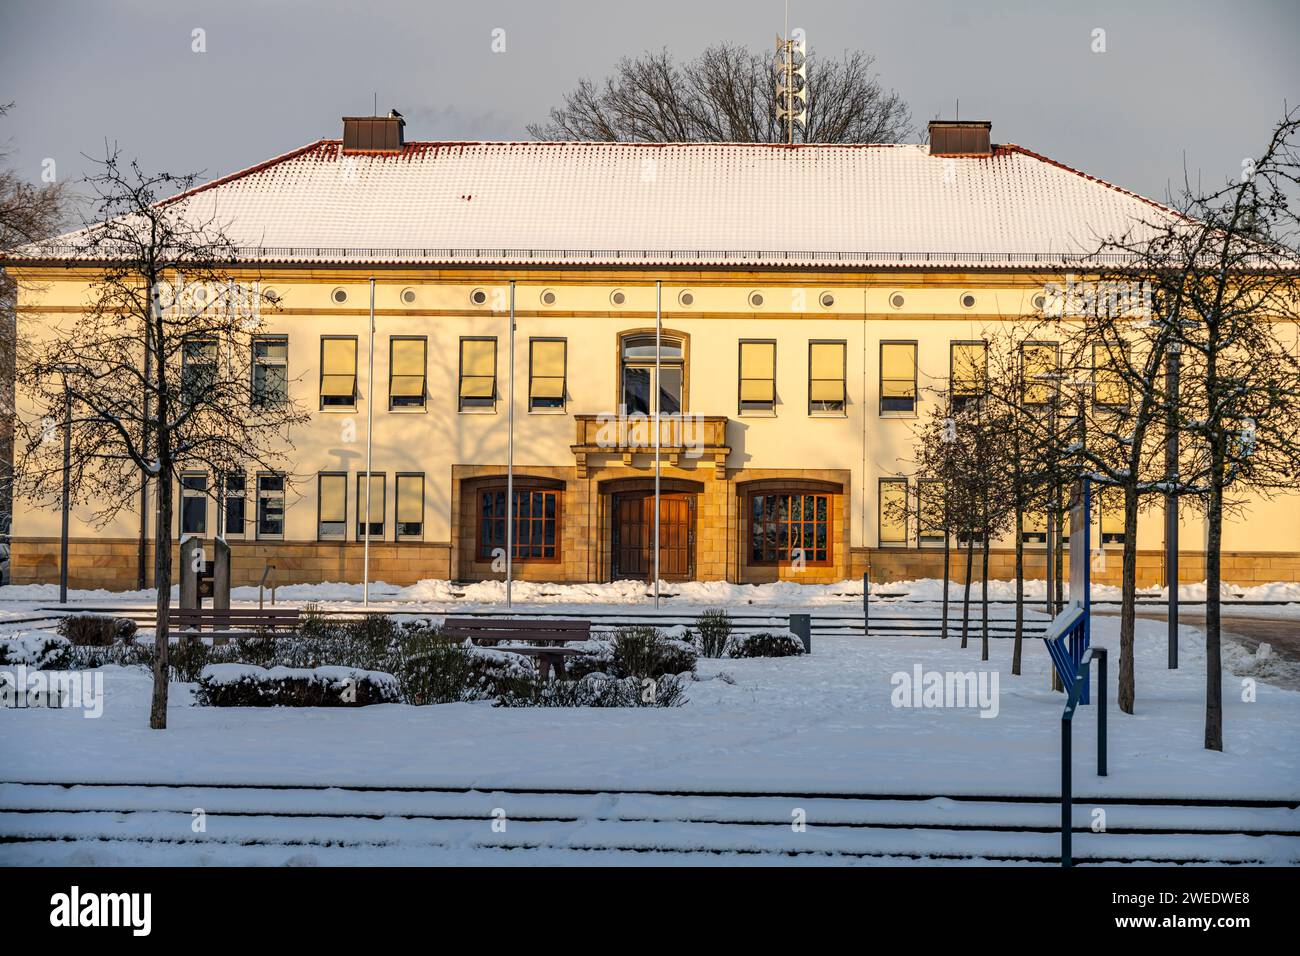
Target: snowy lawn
(824, 724)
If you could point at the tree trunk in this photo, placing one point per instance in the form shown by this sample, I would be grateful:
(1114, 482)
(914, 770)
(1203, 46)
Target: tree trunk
(984, 597)
(947, 566)
(1058, 554)
(1213, 662)
(965, 601)
(163, 581)
(1127, 611)
(1020, 590)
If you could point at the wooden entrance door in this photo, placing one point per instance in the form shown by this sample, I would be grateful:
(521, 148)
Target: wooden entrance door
(633, 527)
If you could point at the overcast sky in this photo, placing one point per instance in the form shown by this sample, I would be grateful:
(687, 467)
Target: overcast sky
(1195, 83)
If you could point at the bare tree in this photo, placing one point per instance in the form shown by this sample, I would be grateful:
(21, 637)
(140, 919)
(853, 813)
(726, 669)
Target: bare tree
(156, 372)
(1230, 273)
(27, 213)
(727, 94)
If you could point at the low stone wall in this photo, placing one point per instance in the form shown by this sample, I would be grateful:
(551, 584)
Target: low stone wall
(112, 563)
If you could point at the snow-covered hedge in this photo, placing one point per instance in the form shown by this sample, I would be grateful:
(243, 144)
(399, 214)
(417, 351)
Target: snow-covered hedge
(246, 685)
(782, 643)
(40, 650)
(635, 652)
(598, 690)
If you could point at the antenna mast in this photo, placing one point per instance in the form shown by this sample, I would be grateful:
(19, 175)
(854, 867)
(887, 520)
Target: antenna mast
(791, 80)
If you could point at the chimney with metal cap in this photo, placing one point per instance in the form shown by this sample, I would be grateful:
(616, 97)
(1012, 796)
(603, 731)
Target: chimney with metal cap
(960, 138)
(373, 134)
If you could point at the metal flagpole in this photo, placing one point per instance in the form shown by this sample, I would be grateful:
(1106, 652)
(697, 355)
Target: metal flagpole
(370, 444)
(659, 329)
(510, 454)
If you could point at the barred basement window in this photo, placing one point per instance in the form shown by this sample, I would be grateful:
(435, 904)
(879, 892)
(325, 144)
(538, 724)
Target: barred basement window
(892, 516)
(757, 376)
(332, 506)
(536, 533)
(826, 378)
(406, 372)
(338, 372)
(194, 504)
(409, 511)
(478, 373)
(270, 505)
(547, 366)
(898, 376)
(270, 370)
(373, 507)
(785, 527)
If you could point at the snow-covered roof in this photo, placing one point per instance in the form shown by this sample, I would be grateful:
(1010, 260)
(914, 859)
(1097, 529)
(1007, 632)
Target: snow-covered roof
(689, 204)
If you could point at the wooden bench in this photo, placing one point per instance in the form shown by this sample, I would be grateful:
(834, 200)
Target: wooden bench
(231, 622)
(546, 638)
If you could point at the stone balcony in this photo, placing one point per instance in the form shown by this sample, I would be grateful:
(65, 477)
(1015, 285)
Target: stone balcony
(699, 437)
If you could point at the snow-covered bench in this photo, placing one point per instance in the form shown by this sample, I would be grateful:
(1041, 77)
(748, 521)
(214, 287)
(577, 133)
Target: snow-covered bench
(231, 622)
(545, 639)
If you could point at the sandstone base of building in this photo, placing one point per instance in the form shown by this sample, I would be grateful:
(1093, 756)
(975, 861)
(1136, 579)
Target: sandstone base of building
(112, 564)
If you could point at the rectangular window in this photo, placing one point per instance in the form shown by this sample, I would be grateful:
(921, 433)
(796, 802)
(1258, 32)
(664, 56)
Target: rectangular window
(536, 533)
(270, 370)
(478, 373)
(409, 513)
(376, 505)
(1033, 527)
(547, 365)
(198, 368)
(898, 376)
(1112, 517)
(270, 505)
(826, 370)
(194, 504)
(1108, 385)
(406, 372)
(757, 376)
(786, 527)
(893, 512)
(929, 511)
(1039, 363)
(332, 506)
(234, 502)
(338, 372)
(967, 372)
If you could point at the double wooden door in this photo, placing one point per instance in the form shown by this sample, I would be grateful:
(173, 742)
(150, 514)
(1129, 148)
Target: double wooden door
(633, 544)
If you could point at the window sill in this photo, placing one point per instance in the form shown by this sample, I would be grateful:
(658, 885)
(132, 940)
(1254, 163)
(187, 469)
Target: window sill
(479, 411)
(756, 413)
(548, 411)
(410, 409)
(832, 415)
(892, 414)
(338, 409)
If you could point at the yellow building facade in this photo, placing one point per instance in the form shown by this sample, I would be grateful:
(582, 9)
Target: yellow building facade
(797, 387)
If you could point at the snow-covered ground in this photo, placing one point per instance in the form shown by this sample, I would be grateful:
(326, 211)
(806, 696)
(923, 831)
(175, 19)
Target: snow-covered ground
(823, 723)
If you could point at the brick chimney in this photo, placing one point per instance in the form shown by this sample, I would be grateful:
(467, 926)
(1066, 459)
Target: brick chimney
(373, 134)
(960, 138)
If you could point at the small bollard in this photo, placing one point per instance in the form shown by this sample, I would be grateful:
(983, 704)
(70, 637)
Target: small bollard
(801, 625)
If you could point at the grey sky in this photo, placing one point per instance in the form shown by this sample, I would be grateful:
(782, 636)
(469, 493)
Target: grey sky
(1199, 80)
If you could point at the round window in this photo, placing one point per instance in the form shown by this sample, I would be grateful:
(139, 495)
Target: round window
(828, 300)
(617, 297)
(339, 295)
(967, 301)
(408, 296)
(478, 296)
(897, 300)
(687, 298)
(548, 297)
(756, 299)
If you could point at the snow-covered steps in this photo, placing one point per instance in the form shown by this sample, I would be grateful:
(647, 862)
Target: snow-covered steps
(220, 824)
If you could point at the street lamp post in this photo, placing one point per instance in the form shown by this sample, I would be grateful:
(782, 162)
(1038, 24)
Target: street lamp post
(1171, 502)
(67, 490)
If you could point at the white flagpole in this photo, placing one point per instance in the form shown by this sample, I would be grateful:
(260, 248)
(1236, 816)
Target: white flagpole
(659, 328)
(370, 423)
(510, 455)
